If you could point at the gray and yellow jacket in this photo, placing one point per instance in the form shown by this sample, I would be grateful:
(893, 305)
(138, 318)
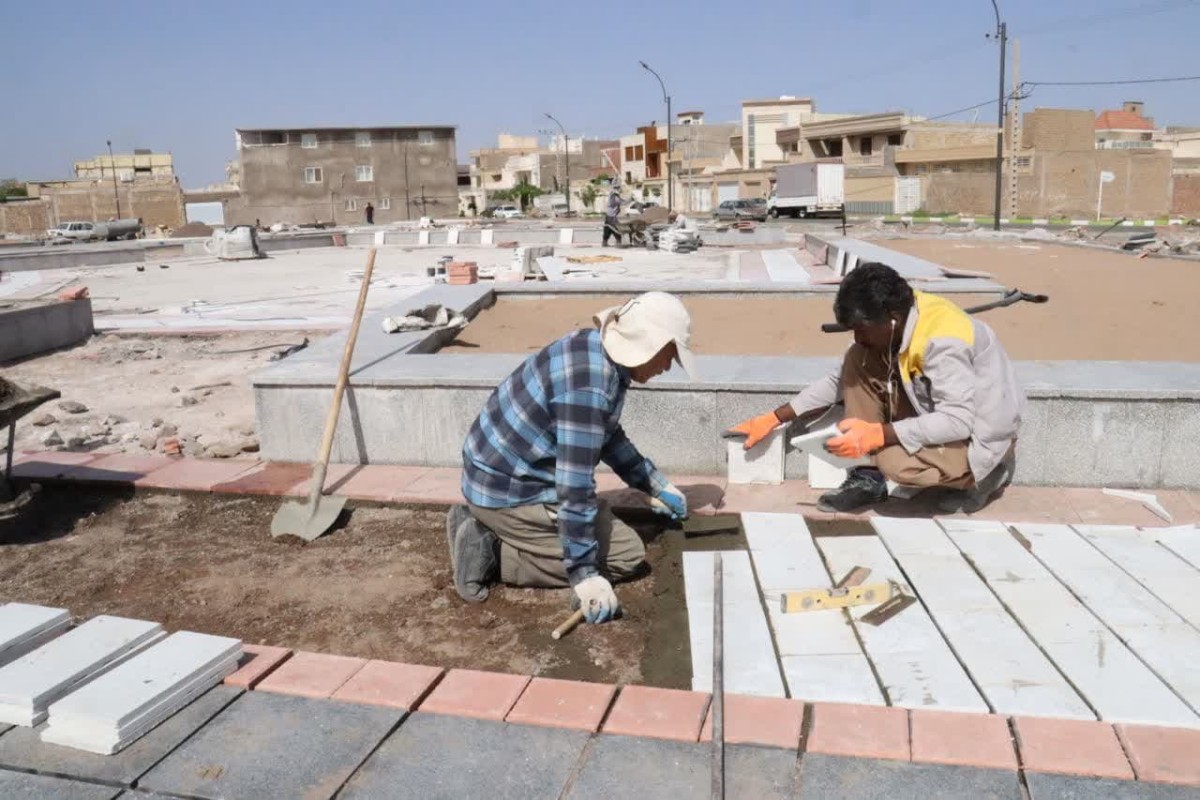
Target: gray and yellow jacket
(958, 378)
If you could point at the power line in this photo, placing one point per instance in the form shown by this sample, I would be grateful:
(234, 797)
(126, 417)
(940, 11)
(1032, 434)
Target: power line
(1179, 79)
(1076, 24)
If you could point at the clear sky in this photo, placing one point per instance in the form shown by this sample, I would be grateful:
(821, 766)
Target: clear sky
(179, 77)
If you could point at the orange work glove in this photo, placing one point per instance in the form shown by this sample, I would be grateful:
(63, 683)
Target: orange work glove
(757, 429)
(858, 439)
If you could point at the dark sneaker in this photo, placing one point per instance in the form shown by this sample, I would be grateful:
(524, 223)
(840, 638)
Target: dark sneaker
(861, 488)
(974, 499)
(474, 555)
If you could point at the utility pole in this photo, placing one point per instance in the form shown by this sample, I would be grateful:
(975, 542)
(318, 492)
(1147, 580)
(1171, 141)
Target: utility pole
(667, 97)
(1002, 35)
(407, 196)
(112, 163)
(566, 161)
(1014, 124)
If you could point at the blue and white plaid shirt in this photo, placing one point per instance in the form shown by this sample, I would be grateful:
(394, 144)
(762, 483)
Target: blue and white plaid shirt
(541, 435)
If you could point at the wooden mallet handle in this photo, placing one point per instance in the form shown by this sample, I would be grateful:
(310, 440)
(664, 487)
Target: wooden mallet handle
(568, 624)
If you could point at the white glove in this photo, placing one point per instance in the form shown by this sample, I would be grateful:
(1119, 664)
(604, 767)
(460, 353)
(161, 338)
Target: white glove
(597, 599)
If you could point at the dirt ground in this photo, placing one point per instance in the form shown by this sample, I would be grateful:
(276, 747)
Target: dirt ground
(377, 587)
(1103, 306)
(140, 379)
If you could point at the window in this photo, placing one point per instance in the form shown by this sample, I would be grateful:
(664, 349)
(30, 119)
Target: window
(895, 139)
(639, 153)
(313, 175)
(352, 205)
(629, 154)
(424, 137)
(864, 146)
(308, 141)
(362, 139)
(1024, 162)
(364, 174)
(385, 204)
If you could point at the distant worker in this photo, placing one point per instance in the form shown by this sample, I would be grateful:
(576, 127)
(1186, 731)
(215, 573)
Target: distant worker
(370, 214)
(532, 516)
(929, 395)
(611, 211)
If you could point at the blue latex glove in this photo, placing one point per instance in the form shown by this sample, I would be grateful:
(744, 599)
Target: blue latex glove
(671, 503)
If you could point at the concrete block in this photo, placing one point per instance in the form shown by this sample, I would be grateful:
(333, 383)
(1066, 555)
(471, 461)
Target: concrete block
(23, 749)
(1180, 461)
(672, 429)
(1031, 450)
(824, 776)
(273, 745)
(1076, 787)
(436, 756)
(1104, 443)
(45, 787)
(620, 767)
(763, 463)
(34, 329)
(566, 235)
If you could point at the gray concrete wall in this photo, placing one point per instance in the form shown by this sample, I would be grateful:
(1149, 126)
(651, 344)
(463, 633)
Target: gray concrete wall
(35, 329)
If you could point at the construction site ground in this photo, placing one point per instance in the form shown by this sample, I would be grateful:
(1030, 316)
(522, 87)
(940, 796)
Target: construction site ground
(378, 587)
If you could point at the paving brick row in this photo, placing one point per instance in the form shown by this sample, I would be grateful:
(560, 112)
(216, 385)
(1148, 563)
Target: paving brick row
(1167, 755)
(1071, 747)
(474, 693)
(256, 663)
(313, 675)
(563, 704)
(658, 713)
(388, 683)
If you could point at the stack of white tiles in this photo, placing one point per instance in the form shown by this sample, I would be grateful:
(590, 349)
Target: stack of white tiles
(24, 628)
(34, 681)
(115, 710)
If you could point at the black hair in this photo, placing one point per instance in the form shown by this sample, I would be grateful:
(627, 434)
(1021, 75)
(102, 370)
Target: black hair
(870, 294)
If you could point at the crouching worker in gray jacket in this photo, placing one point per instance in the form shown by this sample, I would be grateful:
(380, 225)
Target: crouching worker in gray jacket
(929, 394)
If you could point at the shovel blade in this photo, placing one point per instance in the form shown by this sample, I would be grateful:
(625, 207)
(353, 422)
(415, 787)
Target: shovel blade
(296, 518)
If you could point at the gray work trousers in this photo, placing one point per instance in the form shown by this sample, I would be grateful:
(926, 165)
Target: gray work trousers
(531, 552)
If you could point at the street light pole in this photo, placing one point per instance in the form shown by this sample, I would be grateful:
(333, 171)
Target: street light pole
(566, 160)
(112, 163)
(1002, 35)
(667, 97)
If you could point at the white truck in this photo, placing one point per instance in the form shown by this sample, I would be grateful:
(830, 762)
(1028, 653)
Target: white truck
(82, 231)
(808, 190)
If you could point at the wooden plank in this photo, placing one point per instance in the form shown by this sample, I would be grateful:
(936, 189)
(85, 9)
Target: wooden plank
(1183, 541)
(1105, 672)
(25, 627)
(916, 666)
(1163, 573)
(822, 659)
(1158, 635)
(750, 664)
(1013, 674)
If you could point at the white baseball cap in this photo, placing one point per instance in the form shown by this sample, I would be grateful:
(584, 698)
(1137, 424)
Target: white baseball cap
(634, 333)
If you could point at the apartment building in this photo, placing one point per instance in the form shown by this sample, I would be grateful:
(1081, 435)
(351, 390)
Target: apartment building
(330, 174)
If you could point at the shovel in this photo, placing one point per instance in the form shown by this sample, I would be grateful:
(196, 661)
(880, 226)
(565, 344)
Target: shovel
(310, 520)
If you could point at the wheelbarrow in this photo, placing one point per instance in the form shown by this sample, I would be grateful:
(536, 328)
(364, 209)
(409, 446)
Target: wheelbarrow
(15, 402)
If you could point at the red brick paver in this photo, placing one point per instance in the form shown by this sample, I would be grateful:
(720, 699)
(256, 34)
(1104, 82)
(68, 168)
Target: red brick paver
(659, 713)
(769, 721)
(121, 467)
(195, 474)
(280, 478)
(256, 663)
(472, 693)
(1071, 746)
(1169, 755)
(563, 704)
(866, 731)
(441, 486)
(49, 465)
(378, 482)
(965, 739)
(311, 674)
(388, 683)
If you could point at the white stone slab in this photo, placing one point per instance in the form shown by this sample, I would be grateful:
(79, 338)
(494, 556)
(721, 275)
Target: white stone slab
(1163, 573)
(821, 655)
(762, 463)
(823, 475)
(1147, 625)
(1183, 541)
(1102, 669)
(552, 267)
(916, 666)
(487, 236)
(782, 267)
(566, 235)
(422, 237)
(34, 681)
(750, 664)
(380, 238)
(118, 707)
(1013, 674)
(452, 235)
(25, 627)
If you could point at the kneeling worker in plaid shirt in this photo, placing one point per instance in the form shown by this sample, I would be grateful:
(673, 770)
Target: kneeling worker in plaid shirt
(532, 516)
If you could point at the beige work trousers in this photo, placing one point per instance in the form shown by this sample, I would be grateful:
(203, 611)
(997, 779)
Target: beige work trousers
(531, 552)
(865, 391)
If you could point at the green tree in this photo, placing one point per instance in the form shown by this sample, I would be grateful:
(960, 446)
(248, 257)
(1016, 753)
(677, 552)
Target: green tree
(11, 187)
(523, 193)
(588, 195)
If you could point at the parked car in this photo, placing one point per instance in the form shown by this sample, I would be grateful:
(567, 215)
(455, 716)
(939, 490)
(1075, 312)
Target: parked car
(755, 209)
(638, 206)
(507, 212)
(67, 232)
